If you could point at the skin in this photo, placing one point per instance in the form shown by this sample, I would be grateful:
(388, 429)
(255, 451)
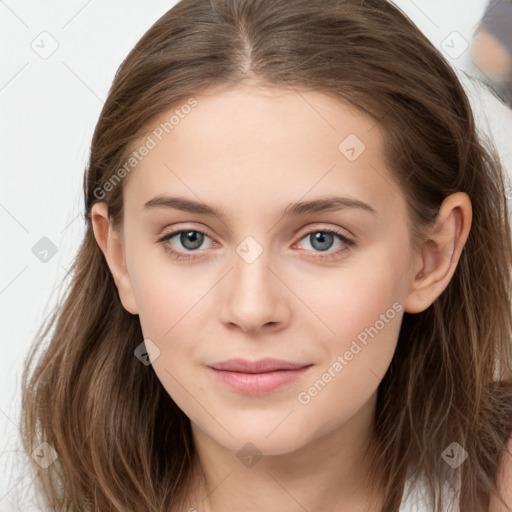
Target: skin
(491, 56)
(252, 152)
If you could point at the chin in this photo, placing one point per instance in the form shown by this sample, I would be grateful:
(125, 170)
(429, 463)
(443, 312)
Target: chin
(260, 438)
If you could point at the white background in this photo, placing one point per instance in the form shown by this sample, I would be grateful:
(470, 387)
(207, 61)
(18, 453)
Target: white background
(48, 110)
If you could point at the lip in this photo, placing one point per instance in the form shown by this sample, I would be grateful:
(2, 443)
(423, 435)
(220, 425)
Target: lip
(260, 366)
(257, 377)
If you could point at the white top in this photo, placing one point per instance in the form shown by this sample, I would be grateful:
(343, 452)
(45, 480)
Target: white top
(416, 499)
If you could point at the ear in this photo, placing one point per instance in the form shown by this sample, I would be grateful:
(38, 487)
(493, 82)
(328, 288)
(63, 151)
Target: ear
(111, 244)
(440, 253)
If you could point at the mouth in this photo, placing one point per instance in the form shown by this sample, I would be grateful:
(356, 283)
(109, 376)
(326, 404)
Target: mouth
(257, 377)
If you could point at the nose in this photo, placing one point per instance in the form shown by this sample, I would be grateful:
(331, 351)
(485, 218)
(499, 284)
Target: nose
(254, 298)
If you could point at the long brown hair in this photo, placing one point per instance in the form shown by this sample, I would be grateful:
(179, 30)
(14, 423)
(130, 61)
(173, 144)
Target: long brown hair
(122, 442)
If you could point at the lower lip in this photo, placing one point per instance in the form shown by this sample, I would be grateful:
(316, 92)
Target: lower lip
(258, 383)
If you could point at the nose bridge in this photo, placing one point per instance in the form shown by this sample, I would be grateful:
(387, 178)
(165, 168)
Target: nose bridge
(251, 266)
(255, 295)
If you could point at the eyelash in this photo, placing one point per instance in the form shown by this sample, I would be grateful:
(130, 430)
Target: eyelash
(190, 254)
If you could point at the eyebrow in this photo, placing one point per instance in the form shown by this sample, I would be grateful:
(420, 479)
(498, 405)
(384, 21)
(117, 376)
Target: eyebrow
(293, 210)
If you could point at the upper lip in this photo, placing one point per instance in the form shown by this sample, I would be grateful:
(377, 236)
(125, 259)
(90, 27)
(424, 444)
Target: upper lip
(260, 366)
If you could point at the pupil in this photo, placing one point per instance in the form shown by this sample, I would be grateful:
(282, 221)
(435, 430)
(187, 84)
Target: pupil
(321, 241)
(191, 239)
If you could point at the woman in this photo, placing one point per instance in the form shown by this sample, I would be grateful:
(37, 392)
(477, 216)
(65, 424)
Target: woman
(294, 287)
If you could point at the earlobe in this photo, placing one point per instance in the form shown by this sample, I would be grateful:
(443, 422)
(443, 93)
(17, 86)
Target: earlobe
(440, 253)
(111, 245)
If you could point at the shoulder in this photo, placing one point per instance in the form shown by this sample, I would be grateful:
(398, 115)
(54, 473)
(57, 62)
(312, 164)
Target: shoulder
(504, 482)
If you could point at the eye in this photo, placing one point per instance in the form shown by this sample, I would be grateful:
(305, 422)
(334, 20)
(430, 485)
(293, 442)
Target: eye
(321, 240)
(191, 240)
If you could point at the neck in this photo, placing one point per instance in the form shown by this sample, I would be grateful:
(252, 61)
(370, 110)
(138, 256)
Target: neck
(329, 473)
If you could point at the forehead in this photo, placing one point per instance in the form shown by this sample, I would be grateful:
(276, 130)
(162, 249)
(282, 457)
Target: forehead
(247, 141)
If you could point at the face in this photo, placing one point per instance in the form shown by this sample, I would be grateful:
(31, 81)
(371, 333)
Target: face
(267, 275)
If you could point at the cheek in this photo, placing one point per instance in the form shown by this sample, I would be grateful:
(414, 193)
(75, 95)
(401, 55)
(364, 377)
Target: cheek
(355, 297)
(172, 301)
(363, 309)
(167, 293)
(365, 315)
(170, 314)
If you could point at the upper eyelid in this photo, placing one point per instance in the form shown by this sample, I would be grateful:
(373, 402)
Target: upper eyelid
(173, 232)
(337, 230)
